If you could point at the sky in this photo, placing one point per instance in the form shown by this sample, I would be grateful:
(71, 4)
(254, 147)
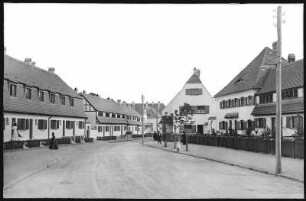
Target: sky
(122, 51)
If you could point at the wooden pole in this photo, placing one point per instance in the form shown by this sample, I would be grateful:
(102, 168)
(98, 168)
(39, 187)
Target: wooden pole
(278, 134)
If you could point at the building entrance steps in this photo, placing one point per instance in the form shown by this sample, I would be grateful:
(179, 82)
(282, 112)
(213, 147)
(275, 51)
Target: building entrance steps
(291, 168)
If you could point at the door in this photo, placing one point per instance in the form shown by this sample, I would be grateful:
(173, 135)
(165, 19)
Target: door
(31, 129)
(64, 128)
(200, 129)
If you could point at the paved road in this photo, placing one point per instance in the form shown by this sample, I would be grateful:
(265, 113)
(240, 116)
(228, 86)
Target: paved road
(129, 170)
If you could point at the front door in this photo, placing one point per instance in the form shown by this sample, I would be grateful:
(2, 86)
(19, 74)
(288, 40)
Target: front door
(200, 129)
(31, 129)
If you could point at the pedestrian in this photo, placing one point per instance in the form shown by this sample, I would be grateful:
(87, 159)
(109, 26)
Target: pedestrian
(53, 144)
(15, 133)
(154, 136)
(159, 137)
(178, 145)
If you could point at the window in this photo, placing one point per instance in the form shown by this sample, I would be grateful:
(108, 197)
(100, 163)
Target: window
(236, 102)
(266, 98)
(202, 109)
(28, 93)
(55, 124)
(23, 124)
(223, 125)
(125, 128)
(242, 101)
(7, 121)
(260, 123)
(99, 129)
(291, 122)
(42, 124)
(107, 114)
(62, 99)
(194, 92)
(52, 98)
(71, 102)
(289, 94)
(233, 103)
(251, 101)
(69, 124)
(229, 103)
(13, 90)
(113, 115)
(81, 125)
(107, 128)
(117, 128)
(100, 114)
(41, 95)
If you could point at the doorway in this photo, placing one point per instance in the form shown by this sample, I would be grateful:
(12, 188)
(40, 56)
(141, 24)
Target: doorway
(200, 129)
(31, 129)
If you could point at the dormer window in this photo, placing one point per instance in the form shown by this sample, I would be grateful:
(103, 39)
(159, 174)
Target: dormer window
(13, 90)
(71, 102)
(41, 95)
(63, 99)
(52, 98)
(28, 93)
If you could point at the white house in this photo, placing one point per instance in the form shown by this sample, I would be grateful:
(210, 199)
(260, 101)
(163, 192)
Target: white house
(202, 103)
(40, 102)
(236, 100)
(292, 100)
(108, 117)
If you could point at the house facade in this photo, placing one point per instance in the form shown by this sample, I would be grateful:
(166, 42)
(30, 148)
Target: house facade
(236, 101)
(292, 100)
(108, 117)
(39, 102)
(202, 104)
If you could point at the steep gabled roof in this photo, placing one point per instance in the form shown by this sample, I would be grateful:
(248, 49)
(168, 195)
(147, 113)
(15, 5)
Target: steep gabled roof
(106, 105)
(21, 72)
(151, 111)
(253, 75)
(194, 79)
(292, 77)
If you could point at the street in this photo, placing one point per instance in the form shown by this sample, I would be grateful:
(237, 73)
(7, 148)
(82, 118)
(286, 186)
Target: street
(129, 170)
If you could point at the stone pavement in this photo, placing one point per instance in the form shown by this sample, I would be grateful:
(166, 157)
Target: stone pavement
(291, 168)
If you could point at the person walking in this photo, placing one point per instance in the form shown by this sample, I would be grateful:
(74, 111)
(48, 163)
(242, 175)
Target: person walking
(15, 133)
(154, 136)
(178, 145)
(159, 137)
(53, 144)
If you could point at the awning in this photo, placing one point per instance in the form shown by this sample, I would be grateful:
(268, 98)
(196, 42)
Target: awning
(212, 118)
(232, 115)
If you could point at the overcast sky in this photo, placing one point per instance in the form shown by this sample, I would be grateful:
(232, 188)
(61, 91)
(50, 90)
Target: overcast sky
(124, 50)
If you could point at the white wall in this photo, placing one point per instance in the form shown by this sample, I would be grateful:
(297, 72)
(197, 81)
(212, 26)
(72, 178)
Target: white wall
(41, 134)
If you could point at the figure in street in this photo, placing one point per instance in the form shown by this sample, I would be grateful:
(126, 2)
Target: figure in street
(15, 133)
(53, 144)
(154, 136)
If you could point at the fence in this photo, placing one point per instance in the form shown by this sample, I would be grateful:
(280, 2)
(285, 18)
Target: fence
(107, 138)
(290, 148)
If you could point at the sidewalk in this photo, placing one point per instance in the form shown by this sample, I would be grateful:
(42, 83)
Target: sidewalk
(291, 168)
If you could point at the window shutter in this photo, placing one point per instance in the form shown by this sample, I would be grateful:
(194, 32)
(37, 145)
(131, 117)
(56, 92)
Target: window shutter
(220, 125)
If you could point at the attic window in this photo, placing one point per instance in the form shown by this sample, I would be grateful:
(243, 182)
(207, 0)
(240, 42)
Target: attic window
(239, 80)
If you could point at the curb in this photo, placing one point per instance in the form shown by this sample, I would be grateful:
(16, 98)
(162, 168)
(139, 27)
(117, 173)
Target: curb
(228, 163)
(7, 186)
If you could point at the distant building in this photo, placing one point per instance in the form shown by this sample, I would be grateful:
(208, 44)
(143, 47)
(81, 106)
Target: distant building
(236, 100)
(40, 102)
(152, 115)
(202, 103)
(292, 99)
(108, 117)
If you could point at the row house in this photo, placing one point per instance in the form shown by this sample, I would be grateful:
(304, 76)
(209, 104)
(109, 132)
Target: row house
(40, 102)
(236, 101)
(292, 100)
(108, 117)
(202, 103)
(152, 113)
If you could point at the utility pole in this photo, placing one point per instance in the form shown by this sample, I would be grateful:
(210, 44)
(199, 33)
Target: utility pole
(278, 134)
(142, 100)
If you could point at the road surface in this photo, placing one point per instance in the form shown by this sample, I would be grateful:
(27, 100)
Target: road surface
(129, 170)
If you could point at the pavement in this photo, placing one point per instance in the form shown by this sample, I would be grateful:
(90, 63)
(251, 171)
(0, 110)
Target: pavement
(291, 168)
(131, 170)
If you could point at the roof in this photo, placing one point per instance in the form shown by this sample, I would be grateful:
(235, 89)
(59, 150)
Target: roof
(106, 105)
(107, 120)
(253, 75)
(194, 79)
(21, 72)
(232, 115)
(151, 111)
(292, 77)
(288, 107)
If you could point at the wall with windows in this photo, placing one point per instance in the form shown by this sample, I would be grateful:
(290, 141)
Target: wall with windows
(40, 126)
(194, 94)
(244, 110)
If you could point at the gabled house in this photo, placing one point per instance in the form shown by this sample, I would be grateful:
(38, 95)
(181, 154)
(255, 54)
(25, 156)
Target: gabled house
(152, 115)
(236, 100)
(202, 104)
(292, 100)
(40, 102)
(110, 118)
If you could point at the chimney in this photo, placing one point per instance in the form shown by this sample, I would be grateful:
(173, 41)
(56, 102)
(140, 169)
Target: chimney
(291, 58)
(274, 46)
(28, 60)
(76, 89)
(118, 101)
(84, 92)
(51, 69)
(33, 63)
